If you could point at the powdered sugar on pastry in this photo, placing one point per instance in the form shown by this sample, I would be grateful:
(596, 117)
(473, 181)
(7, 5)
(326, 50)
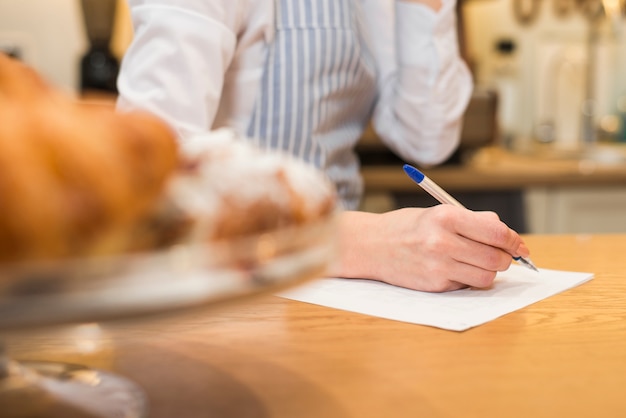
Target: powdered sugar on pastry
(239, 189)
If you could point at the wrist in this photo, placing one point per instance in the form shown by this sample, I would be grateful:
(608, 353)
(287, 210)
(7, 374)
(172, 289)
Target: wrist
(355, 238)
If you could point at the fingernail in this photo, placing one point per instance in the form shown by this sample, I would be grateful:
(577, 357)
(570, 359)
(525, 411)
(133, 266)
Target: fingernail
(523, 250)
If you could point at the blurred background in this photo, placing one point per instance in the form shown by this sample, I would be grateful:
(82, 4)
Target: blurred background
(544, 136)
(55, 35)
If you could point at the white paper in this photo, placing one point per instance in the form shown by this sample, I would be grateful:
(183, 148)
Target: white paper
(457, 311)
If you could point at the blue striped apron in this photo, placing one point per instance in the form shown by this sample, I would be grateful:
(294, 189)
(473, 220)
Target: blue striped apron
(318, 89)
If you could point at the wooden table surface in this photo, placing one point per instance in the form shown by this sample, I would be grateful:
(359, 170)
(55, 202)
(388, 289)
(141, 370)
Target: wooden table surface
(266, 357)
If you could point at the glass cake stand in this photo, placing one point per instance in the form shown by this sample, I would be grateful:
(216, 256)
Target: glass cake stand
(143, 286)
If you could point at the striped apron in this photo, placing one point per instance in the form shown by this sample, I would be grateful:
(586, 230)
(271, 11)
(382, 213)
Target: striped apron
(318, 89)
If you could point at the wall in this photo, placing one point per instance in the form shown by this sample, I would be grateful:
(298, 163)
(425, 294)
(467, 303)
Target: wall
(51, 36)
(544, 81)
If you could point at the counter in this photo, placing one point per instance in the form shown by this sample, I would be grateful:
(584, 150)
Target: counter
(269, 357)
(494, 168)
(533, 193)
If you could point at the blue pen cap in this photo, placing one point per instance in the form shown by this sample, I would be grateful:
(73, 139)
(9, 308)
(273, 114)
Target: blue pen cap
(414, 173)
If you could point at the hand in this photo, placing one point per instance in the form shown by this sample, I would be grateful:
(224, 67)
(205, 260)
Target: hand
(430, 249)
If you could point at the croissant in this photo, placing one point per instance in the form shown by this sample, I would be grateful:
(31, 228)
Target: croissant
(75, 177)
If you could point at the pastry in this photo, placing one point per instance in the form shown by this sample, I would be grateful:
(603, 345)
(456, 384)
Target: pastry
(80, 179)
(245, 190)
(74, 177)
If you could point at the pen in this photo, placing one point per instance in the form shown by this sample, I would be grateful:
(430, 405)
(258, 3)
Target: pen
(443, 197)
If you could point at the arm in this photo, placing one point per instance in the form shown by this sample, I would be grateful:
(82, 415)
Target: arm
(431, 249)
(424, 84)
(176, 63)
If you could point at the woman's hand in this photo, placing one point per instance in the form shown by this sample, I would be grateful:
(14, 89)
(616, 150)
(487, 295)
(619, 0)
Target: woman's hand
(431, 249)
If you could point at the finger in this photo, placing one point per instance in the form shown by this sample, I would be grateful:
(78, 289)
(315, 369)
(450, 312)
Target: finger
(457, 276)
(439, 274)
(522, 250)
(487, 228)
(481, 255)
(429, 283)
(469, 275)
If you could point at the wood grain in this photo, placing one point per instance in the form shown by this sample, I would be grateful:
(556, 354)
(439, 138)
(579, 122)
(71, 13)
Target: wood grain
(564, 356)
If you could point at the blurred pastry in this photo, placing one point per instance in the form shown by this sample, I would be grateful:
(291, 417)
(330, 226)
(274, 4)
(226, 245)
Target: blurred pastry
(75, 178)
(80, 179)
(245, 190)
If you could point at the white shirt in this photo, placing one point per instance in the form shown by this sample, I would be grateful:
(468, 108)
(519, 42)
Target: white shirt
(199, 64)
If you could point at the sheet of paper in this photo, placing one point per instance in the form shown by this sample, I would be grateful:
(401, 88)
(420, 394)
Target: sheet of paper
(457, 311)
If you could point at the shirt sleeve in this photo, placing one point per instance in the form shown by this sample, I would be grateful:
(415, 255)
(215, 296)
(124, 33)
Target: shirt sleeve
(424, 85)
(176, 63)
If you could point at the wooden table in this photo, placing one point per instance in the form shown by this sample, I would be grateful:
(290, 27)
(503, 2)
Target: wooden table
(269, 357)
